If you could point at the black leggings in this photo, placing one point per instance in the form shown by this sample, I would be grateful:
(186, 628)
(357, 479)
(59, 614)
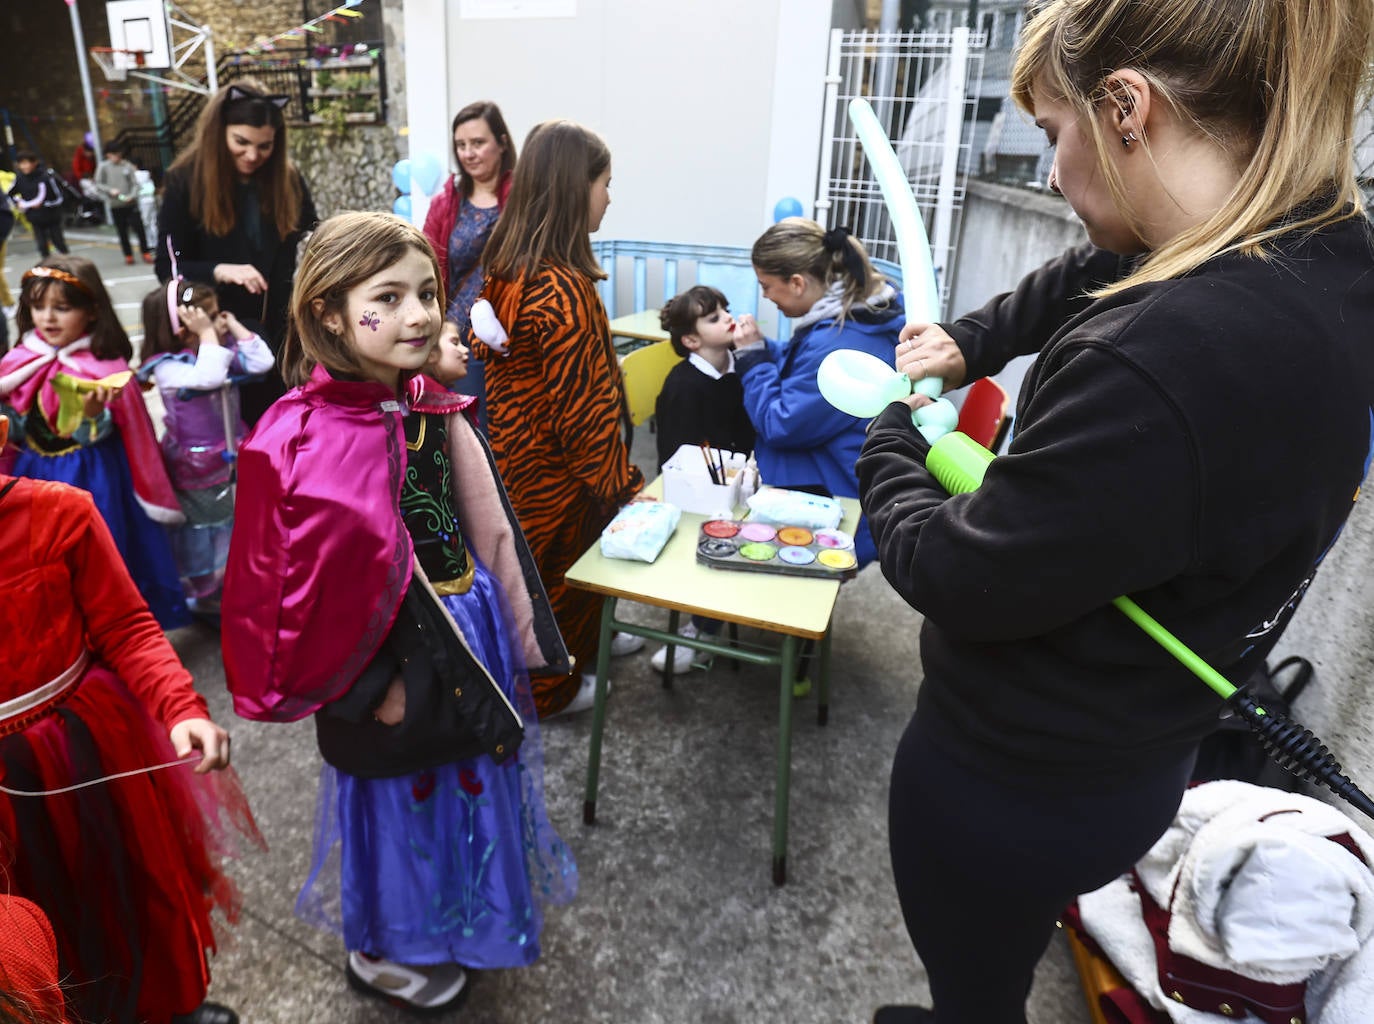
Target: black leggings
(984, 867)
(47, 236)
(126, 217)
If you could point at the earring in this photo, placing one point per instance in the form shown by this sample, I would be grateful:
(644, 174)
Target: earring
(1128, 138)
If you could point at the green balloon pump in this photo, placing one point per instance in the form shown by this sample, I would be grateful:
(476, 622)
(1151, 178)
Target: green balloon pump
(958, 462)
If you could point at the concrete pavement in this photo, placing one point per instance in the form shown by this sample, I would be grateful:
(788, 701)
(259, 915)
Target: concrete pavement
(677, 920)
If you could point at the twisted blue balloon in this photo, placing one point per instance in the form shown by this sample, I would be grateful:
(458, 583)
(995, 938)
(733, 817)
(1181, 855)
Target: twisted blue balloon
(863, 385)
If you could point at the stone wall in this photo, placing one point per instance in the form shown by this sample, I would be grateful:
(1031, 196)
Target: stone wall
(348, 170)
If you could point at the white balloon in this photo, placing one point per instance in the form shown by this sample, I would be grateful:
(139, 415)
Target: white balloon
(860, 384)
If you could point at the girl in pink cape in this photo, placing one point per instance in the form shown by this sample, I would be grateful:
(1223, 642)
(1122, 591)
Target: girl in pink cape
(378, 579)
(69, 332)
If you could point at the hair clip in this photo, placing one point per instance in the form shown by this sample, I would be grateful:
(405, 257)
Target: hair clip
(58, 274)
(237, 92)
(187, 294)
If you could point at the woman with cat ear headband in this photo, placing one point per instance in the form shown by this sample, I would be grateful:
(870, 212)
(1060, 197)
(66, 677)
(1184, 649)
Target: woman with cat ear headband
(233, 209)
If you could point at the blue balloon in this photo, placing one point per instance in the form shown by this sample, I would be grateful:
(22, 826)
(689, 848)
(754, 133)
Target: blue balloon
(786, 207)
(400, 176)
(401, 207)
(427, 171)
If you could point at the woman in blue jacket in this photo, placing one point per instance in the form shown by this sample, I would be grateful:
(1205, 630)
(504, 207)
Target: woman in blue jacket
(824, 281)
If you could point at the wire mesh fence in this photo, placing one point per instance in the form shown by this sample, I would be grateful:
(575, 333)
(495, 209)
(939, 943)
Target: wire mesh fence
(923, 87)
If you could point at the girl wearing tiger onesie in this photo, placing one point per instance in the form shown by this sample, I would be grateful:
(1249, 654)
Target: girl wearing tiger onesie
(554, 391)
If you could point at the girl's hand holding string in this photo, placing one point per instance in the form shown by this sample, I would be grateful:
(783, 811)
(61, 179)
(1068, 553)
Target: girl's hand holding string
(245, 275)
(204, 735)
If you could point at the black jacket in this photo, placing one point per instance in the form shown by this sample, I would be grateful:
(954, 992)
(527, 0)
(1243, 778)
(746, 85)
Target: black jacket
(1195, 444)
(694, 407)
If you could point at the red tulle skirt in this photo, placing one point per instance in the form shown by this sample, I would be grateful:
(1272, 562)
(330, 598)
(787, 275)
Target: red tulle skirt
(127, 871)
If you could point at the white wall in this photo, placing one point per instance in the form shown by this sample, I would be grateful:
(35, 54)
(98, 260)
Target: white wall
(711, 108)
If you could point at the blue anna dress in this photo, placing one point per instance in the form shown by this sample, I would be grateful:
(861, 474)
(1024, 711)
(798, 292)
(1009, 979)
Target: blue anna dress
(452, 864)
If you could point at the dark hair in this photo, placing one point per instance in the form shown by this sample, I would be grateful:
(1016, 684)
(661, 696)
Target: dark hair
(545, 219)
(490, 113)
(112, 147)
(211, 169)
(680, 314)
(158, 336)
(26, 154)
(108, 340)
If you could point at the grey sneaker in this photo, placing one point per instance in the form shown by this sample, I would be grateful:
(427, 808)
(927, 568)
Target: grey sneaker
(426, 989)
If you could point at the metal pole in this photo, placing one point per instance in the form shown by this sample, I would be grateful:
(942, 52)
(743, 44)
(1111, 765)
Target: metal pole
(942, 240)
(211, 74)
(973, 15)
(85, 74)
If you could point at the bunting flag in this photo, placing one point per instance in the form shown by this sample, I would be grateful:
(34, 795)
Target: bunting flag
(340, 14)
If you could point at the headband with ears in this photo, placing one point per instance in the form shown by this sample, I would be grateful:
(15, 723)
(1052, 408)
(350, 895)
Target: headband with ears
(237, 92)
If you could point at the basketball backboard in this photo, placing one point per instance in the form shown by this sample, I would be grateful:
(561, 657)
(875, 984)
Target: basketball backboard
(141, 25)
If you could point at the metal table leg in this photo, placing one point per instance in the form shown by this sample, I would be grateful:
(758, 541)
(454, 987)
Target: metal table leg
(823, 697)
(784, 780)
(603, 668)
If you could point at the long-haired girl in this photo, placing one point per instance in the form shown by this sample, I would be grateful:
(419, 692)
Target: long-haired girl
(101, 439)
(397, 602)
(233, 208)
(198, 355)
(555, 396)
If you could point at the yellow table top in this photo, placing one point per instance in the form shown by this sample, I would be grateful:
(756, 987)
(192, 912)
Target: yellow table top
(798, 606)
(644, 325)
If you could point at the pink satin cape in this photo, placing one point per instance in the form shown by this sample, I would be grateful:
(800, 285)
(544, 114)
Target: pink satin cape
(152, 487)
(320, 557)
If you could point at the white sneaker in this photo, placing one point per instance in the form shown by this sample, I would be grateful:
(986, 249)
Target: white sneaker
(428, 988)
(585, 698)
(625, 643)
(684, 658)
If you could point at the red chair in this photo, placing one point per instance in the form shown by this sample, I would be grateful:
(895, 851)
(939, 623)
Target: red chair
(983, 416)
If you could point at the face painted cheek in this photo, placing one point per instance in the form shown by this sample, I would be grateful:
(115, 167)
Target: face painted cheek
(369, 319)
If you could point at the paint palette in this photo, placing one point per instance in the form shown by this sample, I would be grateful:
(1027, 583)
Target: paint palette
(784, 550)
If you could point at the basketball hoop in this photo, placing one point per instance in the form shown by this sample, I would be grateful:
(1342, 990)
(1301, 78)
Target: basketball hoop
(116, 63)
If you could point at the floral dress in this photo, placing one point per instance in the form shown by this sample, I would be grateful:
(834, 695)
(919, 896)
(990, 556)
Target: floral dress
(451, 864)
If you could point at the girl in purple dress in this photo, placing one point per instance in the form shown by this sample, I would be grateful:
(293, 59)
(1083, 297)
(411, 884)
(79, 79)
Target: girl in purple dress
(397, 601)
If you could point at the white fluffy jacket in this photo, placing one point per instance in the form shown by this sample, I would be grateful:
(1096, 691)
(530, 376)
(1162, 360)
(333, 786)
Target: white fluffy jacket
(1256, 887)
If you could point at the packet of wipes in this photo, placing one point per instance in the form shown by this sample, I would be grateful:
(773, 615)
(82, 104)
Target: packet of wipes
(795, 508)
(639, 530)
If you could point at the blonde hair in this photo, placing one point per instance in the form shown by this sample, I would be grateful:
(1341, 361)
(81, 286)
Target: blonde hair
(340, 254)
(795, 245)
(1276, 83)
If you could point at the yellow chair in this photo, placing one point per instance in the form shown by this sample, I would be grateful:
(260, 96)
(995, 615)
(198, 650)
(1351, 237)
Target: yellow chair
(645, 370)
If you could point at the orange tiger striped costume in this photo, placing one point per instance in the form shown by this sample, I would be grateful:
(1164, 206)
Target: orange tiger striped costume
(554, 406)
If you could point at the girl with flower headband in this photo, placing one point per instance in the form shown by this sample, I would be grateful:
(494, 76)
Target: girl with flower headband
(824, 280)
(233, 208)
(74, 420)
(198, 354)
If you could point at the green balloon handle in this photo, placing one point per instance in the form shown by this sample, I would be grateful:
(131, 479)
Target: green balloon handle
(959, 463)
